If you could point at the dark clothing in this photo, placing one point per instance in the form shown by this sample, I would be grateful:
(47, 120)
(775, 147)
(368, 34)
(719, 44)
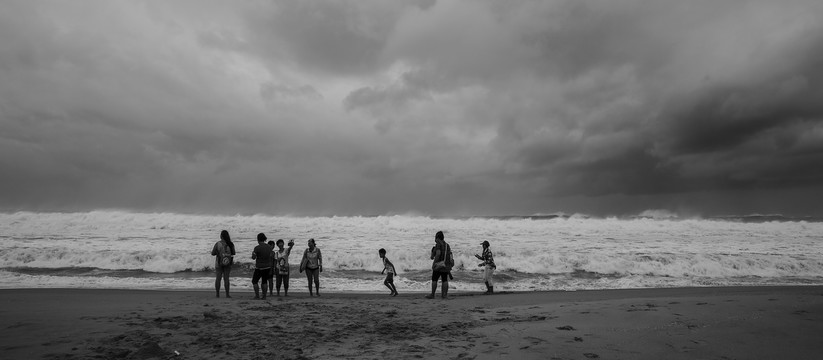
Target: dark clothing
(260, 274)
(263, 256)
(437, 275)
(440, 252)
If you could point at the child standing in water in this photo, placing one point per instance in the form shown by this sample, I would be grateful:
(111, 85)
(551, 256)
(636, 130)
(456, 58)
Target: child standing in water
(388, 268)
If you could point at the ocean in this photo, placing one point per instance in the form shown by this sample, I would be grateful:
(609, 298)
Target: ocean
(127, 250)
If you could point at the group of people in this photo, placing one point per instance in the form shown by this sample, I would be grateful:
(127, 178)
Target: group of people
(272, 266)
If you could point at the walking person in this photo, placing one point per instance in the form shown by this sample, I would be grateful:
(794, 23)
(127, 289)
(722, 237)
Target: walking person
(262, 266)
(312, 263)
(388, 268)
(442, 262)
(281, 267)
(488, 263)
(223, 251)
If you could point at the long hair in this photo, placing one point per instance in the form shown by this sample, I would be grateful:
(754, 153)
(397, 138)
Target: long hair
(225, 236)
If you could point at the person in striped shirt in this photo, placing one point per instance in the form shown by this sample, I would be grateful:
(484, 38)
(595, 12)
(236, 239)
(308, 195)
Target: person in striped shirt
(488, 263)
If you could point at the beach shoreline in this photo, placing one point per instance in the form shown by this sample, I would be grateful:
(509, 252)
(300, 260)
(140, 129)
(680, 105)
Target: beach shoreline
(672, 323)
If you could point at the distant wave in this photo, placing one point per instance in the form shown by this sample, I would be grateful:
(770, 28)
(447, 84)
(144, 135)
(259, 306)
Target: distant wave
(542, 251)
(523, 261)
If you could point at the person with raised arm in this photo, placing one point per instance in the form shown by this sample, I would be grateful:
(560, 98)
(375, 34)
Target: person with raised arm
(281, 266)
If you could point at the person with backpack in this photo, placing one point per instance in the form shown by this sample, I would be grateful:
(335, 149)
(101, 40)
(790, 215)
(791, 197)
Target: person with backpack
(223, 251)
(442, 263)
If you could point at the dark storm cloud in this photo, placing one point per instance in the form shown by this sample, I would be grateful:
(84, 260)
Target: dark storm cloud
(353, 107)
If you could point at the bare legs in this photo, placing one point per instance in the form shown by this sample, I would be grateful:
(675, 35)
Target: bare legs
(222, 272)
(391, 287)
(284, 281)
(260, 274)
(313, 274)
(444, 289)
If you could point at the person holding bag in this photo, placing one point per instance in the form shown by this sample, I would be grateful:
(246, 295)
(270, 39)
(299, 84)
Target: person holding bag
(223, 251)
(441, 265)
(312, 263)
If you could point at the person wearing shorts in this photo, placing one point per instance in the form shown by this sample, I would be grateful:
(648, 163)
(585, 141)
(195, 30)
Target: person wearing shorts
(388, 268)
(262, 266)
(440, 252)
(312, 264)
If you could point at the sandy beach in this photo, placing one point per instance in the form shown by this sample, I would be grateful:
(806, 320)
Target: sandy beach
(683, 323)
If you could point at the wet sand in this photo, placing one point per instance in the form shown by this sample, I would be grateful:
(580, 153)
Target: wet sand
(689, 323)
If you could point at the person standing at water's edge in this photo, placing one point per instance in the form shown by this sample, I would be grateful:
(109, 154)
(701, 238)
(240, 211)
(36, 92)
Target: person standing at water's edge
(281, 267)
(312, 263)
(223, 251)
(441, 265)
(488, 263)
(262, 266)
(270, 280)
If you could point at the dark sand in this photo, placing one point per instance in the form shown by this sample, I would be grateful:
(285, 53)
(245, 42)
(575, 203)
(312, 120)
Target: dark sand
(691, 323)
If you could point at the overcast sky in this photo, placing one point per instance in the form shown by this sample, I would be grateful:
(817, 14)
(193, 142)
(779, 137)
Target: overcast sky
(701, 107)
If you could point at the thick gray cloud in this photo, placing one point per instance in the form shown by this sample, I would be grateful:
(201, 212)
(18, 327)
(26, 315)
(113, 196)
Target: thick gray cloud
(458, 107)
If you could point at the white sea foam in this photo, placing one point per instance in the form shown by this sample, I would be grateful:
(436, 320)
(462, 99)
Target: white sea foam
(536, 254)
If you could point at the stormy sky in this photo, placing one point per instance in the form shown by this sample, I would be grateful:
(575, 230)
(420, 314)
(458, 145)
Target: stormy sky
(700, 107)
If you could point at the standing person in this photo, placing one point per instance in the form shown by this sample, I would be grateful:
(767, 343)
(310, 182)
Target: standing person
(270, 279)
(281, 267)
(312, 263)
(442, 262)
(488, 262)
(388, 266)
(262, 266)
(223, 251)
